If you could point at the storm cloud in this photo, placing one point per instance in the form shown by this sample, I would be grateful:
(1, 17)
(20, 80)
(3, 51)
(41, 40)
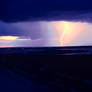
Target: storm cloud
(31, 29)
(34, 30)
(22, 10)
(32, 18)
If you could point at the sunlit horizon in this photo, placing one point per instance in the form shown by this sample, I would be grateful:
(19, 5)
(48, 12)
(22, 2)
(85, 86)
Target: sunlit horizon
(48, 34)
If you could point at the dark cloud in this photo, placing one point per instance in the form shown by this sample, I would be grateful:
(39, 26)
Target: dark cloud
(20, 10)
(34, 30)
(31, 29)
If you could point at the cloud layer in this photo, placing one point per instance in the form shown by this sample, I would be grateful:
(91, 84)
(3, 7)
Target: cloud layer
(20, 10)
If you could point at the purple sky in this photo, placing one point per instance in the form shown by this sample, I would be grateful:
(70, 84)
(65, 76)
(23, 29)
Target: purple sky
(45, 33)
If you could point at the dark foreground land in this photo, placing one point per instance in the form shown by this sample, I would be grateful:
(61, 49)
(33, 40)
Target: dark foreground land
(52, 69)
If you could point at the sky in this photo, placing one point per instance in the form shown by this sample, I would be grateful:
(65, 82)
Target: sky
(43, 23)
(20, 10)
(45, 34)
